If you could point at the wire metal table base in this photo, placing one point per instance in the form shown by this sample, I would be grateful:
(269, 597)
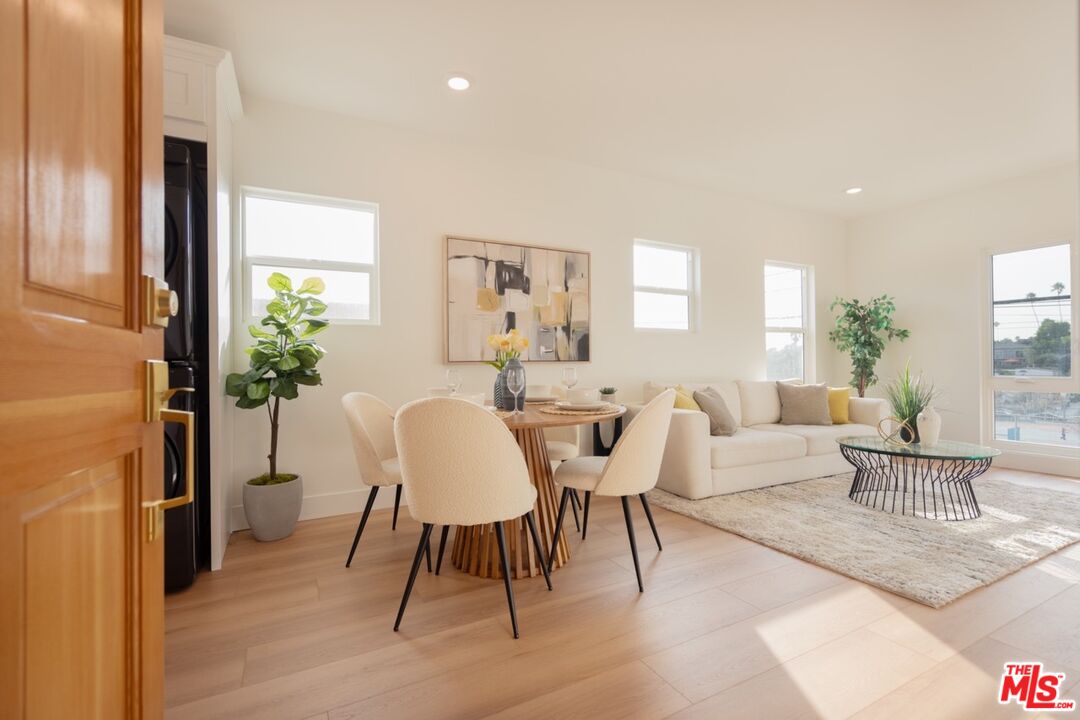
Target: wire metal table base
(931, 488)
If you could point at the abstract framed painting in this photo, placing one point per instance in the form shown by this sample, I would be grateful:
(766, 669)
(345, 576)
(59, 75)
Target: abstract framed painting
(493, 287)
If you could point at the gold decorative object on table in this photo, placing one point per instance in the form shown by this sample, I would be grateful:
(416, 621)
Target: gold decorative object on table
(894, 437)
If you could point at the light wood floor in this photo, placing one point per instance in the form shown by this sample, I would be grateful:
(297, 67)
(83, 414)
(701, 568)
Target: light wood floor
(726, 628)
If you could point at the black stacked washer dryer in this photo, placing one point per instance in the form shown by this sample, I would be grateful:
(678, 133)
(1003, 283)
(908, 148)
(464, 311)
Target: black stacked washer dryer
(187, 528)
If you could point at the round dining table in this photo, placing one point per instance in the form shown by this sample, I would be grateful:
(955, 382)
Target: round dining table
(476, 550)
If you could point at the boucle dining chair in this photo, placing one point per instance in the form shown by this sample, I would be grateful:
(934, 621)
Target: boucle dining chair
(561, 443)
(631, 469)
(371, 427)
(462, 466)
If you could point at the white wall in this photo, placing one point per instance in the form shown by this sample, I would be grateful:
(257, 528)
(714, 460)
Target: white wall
(427, 188)
(932, 257)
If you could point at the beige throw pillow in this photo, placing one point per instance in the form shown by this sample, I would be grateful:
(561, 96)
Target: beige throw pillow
(721, 421)
(804, 404)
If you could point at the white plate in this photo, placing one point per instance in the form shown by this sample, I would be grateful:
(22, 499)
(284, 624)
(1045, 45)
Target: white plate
(540, 399)
(581, 404)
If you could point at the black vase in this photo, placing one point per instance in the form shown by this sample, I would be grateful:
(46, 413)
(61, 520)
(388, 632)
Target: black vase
(911, 436)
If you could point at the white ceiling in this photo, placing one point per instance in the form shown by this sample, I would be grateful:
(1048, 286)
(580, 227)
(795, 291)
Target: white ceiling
(787, 100)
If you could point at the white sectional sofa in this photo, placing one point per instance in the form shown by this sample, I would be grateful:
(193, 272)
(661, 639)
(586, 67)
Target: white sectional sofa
(762, 452)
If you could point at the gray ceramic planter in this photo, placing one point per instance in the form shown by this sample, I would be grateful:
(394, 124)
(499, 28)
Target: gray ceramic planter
(272, 510)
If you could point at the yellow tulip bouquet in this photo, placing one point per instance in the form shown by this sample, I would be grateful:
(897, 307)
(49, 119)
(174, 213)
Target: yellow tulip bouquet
(507, 347)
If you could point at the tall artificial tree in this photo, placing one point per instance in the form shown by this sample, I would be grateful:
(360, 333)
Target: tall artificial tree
(862, 330)
(284, 355)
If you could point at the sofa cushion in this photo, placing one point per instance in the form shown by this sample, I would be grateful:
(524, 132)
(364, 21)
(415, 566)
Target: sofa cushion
(760, 402)
(684, 399)
(839, 398)
(728, 390)
(752, 447)
(803, 404)
(820, 439)
(721, 422)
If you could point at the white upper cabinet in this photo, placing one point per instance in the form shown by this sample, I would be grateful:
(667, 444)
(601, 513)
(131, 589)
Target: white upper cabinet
(185, 88)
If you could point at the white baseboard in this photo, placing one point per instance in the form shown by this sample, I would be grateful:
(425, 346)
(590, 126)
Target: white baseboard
(326, 505)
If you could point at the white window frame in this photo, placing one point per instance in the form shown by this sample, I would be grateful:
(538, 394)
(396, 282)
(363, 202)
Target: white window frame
(372, 268)
(691, 292)
(1019, 453)
(808, 315)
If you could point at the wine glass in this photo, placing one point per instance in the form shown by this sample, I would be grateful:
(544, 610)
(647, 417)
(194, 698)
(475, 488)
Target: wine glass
(453, 380)
(515, 383)
(569, 379)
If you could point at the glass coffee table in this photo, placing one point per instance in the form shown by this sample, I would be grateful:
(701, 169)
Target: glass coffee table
(932, 482)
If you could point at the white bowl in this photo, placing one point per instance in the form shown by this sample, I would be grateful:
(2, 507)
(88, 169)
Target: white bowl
(578, 395)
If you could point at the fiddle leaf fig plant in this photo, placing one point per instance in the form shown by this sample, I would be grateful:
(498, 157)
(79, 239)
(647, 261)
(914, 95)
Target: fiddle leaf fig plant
(862, 329)
(283, 358)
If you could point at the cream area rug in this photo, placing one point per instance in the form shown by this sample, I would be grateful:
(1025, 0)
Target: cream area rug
(930, 561)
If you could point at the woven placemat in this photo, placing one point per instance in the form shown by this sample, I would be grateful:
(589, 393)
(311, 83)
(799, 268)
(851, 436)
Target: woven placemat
(604, 410)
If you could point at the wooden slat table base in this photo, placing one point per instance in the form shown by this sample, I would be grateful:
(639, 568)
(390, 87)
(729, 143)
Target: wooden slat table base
(476, 551)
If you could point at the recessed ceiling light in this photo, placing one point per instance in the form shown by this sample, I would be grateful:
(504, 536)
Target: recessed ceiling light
(458, 82)
(853, 191)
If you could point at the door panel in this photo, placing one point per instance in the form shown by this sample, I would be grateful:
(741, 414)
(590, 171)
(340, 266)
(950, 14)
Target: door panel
(76, 164)
(80, 219)
(76, 595)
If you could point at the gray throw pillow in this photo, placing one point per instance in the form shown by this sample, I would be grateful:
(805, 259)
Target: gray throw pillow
(804, 404)
(721, 421)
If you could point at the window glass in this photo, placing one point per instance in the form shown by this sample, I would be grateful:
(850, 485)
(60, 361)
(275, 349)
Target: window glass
(664, 294)
(661, 267)
(659, 311)
(1039, 418)
(347, 294)
(783, 355)
(1032, 308)
(282, 228)
(783, 296)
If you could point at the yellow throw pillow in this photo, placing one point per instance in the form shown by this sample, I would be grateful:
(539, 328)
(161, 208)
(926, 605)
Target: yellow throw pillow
(838, 405)
(684, 399)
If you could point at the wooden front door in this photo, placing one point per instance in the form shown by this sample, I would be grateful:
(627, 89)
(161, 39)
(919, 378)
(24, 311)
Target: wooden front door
(81, 220)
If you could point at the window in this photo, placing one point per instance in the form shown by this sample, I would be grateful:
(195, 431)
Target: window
(1030, 371)
(665, 277)
(303, 235)
(788, 347)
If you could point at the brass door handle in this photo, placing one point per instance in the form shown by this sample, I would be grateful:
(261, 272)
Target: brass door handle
(187, 419)
(158, 394)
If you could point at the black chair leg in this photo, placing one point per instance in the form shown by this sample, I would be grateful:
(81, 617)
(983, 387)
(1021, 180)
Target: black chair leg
(633, 541)
(536, 546)
(575, 501)
(363, 522)
(585, 523)
(425, 536)
(558, 527)
(442, 546)
(397, 503)
(500, 536)
(652, 524)
(427, 554)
